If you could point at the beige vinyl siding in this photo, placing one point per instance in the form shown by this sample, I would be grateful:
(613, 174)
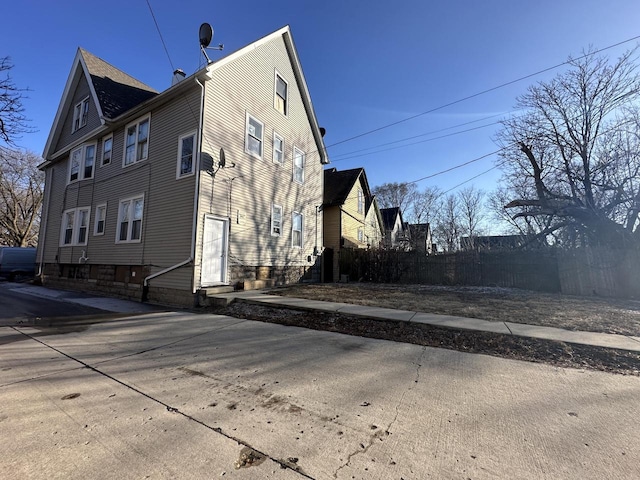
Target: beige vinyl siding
(332, 227)
(93, 121)
(352, 220)
(168, 203)
(245, 193)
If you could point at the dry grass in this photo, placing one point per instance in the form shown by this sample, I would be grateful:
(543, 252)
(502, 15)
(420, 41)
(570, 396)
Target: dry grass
(488, 303)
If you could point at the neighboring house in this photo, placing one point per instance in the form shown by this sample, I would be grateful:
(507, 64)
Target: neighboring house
(351, 216)
(420, 237)
(137, 200)
(395, 231)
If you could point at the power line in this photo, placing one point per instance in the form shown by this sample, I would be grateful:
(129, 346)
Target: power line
(160, 34)
(420, 135)
(469, 97)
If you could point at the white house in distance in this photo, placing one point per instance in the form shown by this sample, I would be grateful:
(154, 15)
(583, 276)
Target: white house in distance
(139, 202)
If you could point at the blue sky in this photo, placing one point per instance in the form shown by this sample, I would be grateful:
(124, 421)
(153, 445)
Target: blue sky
(367, 64)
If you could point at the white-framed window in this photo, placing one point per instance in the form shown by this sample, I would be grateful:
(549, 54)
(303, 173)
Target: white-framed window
(360, 201)
(361, 235)
(281, 94)
(80, 114)
(278, 149)
(99, 220)
(298, 165)
(276, 220)
(107, 150)
(254, 136)
(81, 162)
(136, 141)
(130, 213)
(297, 223)
(186, 155)
(75, 225)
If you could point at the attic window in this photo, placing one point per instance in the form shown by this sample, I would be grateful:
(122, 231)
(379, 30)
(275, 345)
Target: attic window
(80, 115)
(281, 95)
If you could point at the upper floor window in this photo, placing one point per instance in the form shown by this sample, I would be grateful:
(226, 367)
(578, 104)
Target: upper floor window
(81, 163)
(186, 150)
(360, 201)
(253, 137)
(107, 149)
(101, 214)
(360, 235)
(296, 229)
(280, 98)
(278, 149)
(298, 165)
(136, 144)
(130, 220)
(80, 115)
(75, 223)
(276, 220)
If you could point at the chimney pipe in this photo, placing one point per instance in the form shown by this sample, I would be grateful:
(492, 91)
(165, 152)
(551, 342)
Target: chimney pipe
(178, 76)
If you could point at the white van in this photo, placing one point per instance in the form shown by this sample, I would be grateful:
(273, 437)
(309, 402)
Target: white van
(17, 261)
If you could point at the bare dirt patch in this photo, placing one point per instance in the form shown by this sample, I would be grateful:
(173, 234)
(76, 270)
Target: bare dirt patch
(593, 314)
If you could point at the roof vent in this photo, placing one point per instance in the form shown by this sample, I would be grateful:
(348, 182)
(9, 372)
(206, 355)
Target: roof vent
(178, 76)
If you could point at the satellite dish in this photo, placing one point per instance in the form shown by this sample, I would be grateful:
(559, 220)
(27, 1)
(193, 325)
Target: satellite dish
(206, 34)
(223, 161)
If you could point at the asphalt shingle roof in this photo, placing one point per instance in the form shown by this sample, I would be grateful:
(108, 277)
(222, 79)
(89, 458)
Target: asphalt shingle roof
(338, 184)
(117, 91)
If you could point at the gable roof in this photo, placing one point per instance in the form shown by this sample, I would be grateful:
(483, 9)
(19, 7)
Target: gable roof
(338, 185)
(389, 216)
(116, 93)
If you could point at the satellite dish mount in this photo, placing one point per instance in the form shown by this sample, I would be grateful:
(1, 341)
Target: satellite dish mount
(206, 34)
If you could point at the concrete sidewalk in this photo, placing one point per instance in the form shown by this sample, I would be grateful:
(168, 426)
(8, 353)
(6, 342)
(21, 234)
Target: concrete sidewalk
(607, 340)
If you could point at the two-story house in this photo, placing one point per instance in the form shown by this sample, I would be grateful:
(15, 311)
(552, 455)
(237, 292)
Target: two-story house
(352, 218)
(396, 235)
(217, 180)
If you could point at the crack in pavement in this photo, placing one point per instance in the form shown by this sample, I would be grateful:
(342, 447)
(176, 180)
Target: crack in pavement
(283, 464)
(380, 434)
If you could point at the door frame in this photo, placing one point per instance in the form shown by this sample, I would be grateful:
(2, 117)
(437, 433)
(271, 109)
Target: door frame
(225, 246)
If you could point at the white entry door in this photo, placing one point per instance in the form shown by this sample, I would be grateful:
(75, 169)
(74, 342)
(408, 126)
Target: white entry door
(214, 252)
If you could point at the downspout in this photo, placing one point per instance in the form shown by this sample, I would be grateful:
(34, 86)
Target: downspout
(145, 284)
(41, 241)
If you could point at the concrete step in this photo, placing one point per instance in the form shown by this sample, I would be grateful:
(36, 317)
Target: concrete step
(208, 291)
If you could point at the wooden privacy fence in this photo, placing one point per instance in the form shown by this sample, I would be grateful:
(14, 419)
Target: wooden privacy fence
(586, 271)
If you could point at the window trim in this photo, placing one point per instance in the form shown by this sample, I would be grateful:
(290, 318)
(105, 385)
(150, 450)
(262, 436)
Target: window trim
(295, 168)
(96, 220)
(360, 235)
(293, 230)
(80, 114)
(276, 95)
(130, 225)
(105, 140)
(137, 124)
(360, 200)
(82, 166)
(181, 138)
(277, 135)
(75, 229)
(273, 221)
(247, 134)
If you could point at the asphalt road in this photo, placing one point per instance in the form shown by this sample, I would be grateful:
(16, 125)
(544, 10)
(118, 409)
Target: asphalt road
(181, 395)
(16, 307)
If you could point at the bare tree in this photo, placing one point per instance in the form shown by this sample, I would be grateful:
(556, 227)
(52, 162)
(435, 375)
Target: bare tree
(21, 195)
(572, 160)
(471, 211)
(416, 206)
(12, 119)
(448, 226)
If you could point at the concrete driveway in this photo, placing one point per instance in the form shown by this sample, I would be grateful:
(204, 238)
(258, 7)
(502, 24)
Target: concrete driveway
(179, 395)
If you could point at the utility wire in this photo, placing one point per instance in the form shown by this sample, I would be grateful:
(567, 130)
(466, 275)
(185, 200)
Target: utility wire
(160, 34)
(502, 85)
